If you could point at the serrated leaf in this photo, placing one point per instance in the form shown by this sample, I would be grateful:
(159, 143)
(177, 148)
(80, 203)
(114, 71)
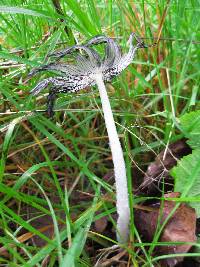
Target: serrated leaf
(190, 125)
(187, 178)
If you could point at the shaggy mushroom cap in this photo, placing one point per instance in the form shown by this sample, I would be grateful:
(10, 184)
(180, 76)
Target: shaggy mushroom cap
(88, 64)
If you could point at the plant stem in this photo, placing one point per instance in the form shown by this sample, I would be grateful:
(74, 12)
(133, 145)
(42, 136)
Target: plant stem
(59, 10)
(122, 201)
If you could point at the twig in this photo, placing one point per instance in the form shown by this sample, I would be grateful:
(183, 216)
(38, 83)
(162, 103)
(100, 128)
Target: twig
(59, 10)
(162, 21)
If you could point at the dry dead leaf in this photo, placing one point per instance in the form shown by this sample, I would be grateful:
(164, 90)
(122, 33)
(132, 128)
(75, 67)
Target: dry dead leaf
(101, 224)
(179, 228)
(159, 169)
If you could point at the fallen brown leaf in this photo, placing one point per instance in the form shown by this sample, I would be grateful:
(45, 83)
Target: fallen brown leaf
(180, 227)
(158, 171)
(101, 224)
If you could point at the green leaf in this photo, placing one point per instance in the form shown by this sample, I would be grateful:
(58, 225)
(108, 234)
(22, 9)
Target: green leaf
(16, 218)
(82, 16)
(20, 10)
(68, 152)
(79, 240)
(190, 125)
(45, 250)
(187, 178)
(6, 144)
(6, 55)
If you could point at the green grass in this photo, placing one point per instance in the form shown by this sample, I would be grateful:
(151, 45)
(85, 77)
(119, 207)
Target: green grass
(45, 164)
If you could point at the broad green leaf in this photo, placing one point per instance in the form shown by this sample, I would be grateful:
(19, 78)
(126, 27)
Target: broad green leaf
(190, 125)
(187, 178)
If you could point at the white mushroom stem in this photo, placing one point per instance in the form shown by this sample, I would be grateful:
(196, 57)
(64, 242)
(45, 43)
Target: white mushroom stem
(122, 200)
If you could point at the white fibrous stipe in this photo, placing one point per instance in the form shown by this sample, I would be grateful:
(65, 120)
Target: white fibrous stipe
(119, 165)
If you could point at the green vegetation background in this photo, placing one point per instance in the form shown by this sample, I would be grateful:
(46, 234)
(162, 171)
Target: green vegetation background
(44, 162)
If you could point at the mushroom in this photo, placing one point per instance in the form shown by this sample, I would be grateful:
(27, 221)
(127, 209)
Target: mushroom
(89, 70)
